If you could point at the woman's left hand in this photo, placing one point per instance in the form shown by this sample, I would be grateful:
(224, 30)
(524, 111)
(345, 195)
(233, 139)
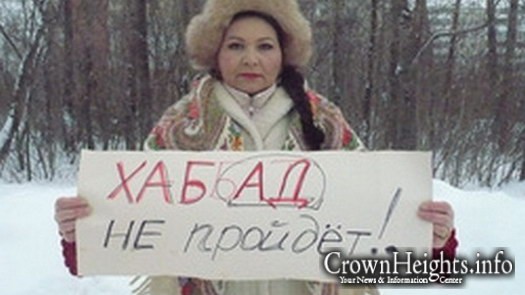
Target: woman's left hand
(441, 215)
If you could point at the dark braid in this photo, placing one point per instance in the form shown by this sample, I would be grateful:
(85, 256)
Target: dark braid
(293, 82)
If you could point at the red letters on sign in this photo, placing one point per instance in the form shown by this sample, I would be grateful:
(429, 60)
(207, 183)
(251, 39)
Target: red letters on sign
(185, 199)
(295, 198)
(158, 171)
(124, 181)
(236, 183)
(258, 173)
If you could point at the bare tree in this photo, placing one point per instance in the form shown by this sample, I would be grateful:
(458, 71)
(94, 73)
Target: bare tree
(522, 143)
(403, 131)
(69, 90)
(449, 86)
(492, 53)
(338, 52)
(505, 105)
(434, 75)
(138, 119)
(21, 94)
(368, 100)
(86, 46)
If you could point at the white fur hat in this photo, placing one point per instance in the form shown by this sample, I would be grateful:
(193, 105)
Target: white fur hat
(205, 31)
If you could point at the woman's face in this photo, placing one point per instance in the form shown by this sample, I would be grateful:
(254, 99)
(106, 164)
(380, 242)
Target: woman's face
(250, 57)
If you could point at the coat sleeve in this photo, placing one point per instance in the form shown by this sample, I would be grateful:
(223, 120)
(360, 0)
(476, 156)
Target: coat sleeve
(69, 253)
(449, 249)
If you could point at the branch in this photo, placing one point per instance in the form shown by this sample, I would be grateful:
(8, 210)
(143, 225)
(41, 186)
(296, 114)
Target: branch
(10, 41)
(445, 34)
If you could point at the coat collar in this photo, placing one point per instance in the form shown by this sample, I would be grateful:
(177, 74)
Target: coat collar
(273, 104)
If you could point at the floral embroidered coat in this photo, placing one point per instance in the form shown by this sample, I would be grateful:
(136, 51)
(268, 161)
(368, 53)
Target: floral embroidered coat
(203, 121)
(199, 122)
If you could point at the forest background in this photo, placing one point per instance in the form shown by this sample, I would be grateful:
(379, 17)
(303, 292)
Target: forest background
(446, 76)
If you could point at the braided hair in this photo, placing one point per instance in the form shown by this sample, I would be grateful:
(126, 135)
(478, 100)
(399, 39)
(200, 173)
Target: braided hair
(293, 83)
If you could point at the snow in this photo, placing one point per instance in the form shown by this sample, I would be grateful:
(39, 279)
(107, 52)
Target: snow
(30, 255)
(486, 220)
(31, 261)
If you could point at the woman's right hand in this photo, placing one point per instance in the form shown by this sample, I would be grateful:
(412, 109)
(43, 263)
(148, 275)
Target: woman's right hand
(67, 211)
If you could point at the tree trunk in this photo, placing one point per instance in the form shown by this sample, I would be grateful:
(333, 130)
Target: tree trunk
(141, 59)
(504, 105)
(98, 82)
(184, 10)
(393, 78)
(368, 104)
(419, 84)
(403, 110)
(20, 95)
(338, 53)
(522, 176)
(492, 58)
(87, 58)
(450, 64)
(138, 79)
(69, 89)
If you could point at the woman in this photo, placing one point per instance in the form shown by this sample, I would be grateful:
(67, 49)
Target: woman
(254, 98)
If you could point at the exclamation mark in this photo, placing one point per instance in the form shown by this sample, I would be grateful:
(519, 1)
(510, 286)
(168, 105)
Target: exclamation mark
(391, 208)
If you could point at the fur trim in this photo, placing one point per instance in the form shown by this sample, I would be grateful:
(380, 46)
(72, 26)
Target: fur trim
(205, 31)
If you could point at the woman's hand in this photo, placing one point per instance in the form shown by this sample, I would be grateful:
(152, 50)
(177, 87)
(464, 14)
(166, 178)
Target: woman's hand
(67, 211)
(441, 215)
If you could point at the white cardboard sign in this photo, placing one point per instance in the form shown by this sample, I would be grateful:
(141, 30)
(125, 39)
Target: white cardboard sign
(246, 215)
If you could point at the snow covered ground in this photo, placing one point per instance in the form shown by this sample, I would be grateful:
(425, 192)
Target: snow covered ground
(31, 262)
